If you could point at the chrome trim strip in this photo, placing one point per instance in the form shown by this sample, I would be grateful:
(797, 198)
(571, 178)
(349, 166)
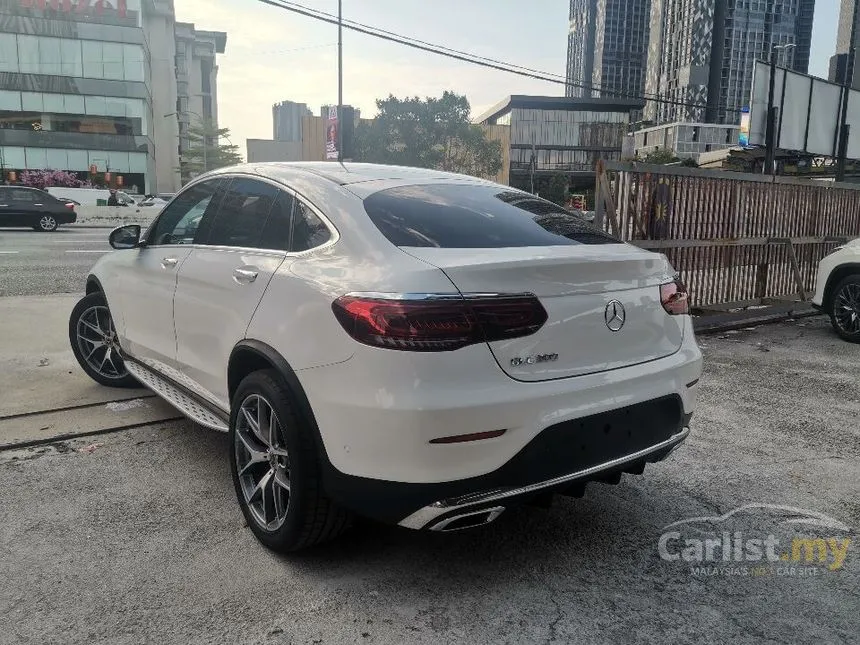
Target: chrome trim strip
(385, 295)
(424, 516)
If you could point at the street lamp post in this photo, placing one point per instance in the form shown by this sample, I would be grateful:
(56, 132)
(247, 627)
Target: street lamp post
(202, 125)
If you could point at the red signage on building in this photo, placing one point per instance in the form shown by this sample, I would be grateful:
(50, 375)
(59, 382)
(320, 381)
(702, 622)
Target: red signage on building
(78, 6)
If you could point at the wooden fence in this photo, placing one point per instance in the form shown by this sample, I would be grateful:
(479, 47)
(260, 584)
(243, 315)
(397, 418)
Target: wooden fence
(737, 239)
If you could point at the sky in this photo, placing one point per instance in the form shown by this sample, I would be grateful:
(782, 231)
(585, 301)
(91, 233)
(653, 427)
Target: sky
(274, 55)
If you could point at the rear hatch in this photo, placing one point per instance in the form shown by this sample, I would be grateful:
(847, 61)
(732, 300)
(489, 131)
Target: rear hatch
(602, 297)
(602, 302)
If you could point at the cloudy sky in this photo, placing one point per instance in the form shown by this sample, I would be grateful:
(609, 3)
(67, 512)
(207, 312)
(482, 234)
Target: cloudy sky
(274, 55)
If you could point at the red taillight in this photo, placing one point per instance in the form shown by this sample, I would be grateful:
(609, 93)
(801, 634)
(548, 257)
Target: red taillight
(675, 298)
(437, 324)
(70, 206)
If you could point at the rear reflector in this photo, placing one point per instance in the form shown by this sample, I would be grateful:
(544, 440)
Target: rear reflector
(437, 323)
(475, 436)
(675, 298)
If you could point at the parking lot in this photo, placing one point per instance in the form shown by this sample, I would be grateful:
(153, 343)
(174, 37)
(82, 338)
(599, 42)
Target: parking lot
(134, 535)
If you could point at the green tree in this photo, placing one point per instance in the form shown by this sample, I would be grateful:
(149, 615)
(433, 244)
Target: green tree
(429, 133)
(556, 189)
(206, 152)
(661, 156)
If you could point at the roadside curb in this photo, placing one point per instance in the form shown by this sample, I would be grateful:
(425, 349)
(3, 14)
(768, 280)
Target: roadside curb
(738, 320)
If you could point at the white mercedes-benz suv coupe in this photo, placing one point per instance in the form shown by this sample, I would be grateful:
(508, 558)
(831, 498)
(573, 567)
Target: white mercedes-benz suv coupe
(837, 289)
(419, 347)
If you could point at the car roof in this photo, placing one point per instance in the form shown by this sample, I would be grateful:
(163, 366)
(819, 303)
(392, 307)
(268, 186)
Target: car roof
(344, 174)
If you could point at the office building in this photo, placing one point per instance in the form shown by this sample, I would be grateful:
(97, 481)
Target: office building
(607, 47)
(702, 52)
(287, 120)
(88, 85)
(685, 140)
(550, 134)
(848, 35)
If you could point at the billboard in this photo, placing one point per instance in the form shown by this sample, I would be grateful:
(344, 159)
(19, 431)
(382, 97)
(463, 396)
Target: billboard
(808, 112)
(744, 134)
(331, 127)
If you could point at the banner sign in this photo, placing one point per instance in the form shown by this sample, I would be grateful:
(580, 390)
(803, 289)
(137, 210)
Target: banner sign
(86, 7)
(331, 133)
(744, 136)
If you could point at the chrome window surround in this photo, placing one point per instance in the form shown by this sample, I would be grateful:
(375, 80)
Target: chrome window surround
(335, 234)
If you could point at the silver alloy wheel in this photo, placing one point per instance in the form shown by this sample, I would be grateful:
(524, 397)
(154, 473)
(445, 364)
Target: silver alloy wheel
(98, 343)
(262, 462)
(47, 223)
(846, 308)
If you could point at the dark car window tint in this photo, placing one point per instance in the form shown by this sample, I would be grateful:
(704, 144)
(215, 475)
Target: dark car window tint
(24, 195)
(470, 216)
(178, 223)
(309, 231)
(242, 213)
(276, 232)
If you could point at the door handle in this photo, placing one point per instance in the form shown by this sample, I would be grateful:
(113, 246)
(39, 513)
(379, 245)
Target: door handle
(245, 275)
(167, 263)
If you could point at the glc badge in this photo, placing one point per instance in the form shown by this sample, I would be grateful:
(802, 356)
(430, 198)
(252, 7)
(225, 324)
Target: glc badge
(614, 315)
(531, 360)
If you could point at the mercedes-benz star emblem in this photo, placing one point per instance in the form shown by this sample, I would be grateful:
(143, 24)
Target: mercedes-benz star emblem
(614, 315)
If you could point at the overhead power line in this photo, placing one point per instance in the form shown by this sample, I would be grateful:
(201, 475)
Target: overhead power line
(455, 54)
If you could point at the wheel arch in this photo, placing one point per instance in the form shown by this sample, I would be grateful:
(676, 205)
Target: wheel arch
(251, 355)
(836, 276)
(94, 285)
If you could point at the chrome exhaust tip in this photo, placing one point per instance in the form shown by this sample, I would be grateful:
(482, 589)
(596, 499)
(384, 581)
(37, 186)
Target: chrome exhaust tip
(468, 520)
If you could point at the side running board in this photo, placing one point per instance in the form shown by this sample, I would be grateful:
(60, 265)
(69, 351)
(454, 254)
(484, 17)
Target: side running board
(177, 397)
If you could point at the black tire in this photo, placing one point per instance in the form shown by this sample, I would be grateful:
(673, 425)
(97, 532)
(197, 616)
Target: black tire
(311, 518)
(47, 223)
(92, 349)
(845, 303)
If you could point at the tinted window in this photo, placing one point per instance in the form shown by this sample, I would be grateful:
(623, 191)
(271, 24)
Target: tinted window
(24, 195)
(464, 216)
(178, 223)
(309, 231)
(276, 233)
(243, 213)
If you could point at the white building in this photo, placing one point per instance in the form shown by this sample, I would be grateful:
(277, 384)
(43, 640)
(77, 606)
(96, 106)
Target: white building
(685, 140)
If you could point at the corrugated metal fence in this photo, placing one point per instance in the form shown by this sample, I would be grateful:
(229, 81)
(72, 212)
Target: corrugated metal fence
(737, 239)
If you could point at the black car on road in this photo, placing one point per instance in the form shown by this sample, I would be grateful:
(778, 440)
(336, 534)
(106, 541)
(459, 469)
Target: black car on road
(22, 206)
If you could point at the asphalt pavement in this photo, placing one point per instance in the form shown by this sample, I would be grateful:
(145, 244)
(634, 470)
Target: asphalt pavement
(135, 536)
(34, 263)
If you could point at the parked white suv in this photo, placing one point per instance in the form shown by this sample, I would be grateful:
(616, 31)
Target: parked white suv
(837, 290)
(422, 348)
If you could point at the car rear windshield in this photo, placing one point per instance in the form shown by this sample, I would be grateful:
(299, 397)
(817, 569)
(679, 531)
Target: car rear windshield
(475, 216)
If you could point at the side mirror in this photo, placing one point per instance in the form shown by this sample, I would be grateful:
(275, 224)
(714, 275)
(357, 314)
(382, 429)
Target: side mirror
(125, 237)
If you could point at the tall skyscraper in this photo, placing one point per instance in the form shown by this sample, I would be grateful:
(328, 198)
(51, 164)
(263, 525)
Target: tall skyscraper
(849, 25)
(702, 52)
(607, 47)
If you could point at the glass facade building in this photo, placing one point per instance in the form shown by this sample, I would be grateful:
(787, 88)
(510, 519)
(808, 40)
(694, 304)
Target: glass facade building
(702, 53)
(607, 48)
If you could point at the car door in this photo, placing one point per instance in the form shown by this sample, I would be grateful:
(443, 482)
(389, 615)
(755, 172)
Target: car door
(223, 280)
(8, 212)
(147, 283)
(21, 207)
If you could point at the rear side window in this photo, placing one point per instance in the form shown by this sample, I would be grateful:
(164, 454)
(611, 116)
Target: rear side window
(276, 233)
(309, 231)
(242, 213)
(470, 217)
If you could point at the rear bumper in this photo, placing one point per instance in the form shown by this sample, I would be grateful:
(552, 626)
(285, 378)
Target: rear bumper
(560, 459)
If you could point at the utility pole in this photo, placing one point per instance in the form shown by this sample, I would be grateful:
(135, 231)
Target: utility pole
(848, 79)
(770, 130)
(340, 81)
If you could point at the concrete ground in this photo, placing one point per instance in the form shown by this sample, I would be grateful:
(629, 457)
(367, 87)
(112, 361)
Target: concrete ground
(135, 536)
